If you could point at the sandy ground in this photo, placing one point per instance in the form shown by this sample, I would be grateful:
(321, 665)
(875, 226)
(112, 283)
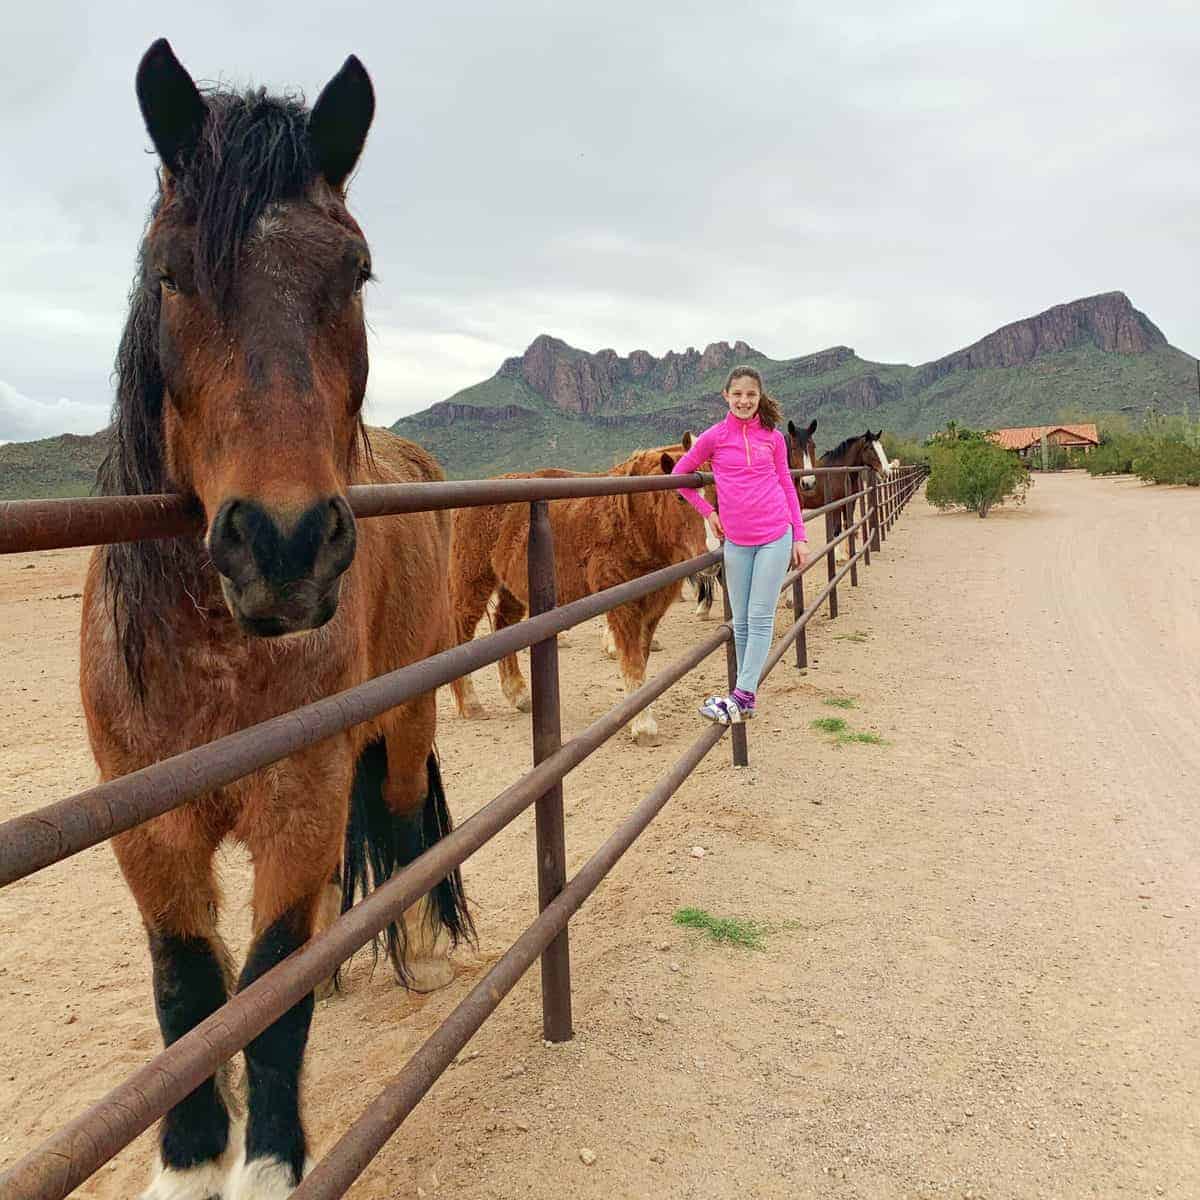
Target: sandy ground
(982, 979)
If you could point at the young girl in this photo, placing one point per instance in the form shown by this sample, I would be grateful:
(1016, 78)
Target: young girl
(760, 520)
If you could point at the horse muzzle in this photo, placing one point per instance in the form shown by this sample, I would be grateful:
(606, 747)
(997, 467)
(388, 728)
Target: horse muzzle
(282, 574)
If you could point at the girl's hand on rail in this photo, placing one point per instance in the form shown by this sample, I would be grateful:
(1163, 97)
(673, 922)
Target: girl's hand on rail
(799, 555)
(713, 521)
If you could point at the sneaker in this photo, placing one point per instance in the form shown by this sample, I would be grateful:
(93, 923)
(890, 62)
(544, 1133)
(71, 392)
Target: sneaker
(725, 710)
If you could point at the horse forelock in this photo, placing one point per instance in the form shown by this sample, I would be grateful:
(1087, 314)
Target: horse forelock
(254, 156)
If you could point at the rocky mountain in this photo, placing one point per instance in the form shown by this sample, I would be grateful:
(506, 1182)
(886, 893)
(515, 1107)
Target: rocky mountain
(561, 406)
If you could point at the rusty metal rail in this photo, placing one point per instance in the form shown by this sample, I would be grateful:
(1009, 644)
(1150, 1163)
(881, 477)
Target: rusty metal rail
(34, 525)
(29, 843)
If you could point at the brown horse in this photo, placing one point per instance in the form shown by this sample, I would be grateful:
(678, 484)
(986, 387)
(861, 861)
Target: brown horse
(241, 376)
(862, 450)
(598, 542)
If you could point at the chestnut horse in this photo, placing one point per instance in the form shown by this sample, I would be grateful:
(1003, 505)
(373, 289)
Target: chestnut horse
(240, 380)
(599, 541)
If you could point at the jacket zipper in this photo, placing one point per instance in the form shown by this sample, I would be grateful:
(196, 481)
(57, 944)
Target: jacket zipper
(746, 440)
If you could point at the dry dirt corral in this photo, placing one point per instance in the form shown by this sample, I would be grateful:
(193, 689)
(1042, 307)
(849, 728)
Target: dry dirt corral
(983, 980)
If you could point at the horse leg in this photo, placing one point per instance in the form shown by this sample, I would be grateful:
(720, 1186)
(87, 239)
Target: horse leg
(606, 637)
(633, 643)
(844, 516)
(294, 834)
(509, 611)
(469, 600)
(167, 864)
(328, 910)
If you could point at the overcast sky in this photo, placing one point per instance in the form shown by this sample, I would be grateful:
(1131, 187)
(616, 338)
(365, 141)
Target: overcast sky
(898, 178)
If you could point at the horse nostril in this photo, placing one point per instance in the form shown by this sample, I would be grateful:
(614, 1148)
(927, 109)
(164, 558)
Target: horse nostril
(228, 540)
(341, 521)
(231, 529)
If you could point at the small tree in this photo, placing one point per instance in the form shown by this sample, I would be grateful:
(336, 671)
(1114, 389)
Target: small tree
(975, 474)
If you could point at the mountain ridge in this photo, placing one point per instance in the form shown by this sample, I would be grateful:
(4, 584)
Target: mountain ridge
(557, 405)
(1097, 354)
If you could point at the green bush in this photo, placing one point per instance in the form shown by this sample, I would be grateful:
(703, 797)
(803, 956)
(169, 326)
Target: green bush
(1168, 461)
(1114, 456)
(976, 475)
(1167, 450)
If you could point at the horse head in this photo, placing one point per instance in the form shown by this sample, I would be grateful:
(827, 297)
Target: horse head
(802, 451)
(252, 280)
(874, 455)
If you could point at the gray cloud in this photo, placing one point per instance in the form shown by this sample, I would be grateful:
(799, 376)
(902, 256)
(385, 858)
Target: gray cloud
(24, 419)
(639, 176)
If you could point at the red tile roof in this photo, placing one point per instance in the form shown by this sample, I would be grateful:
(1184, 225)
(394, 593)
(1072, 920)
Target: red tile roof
(1028, 435)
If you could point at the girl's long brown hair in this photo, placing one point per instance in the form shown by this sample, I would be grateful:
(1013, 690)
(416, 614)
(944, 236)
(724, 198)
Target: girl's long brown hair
(769, 412)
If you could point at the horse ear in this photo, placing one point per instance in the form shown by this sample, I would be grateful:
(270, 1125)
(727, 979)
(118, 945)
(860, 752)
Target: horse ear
(667, 463)
(340, 119)
(792, 429)
(171, 104)
(812, 428)
(687, 440)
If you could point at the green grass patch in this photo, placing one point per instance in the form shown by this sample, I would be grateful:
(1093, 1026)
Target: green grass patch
(843, 734)
(857, 636)
(839, 702)
(865, 739)
(829, 725)
(732, 931)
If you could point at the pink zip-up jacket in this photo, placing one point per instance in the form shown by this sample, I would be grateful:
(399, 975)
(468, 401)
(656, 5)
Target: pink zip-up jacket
(758, 497)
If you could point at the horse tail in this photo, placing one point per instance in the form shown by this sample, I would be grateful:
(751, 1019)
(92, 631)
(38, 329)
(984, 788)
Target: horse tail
(449, 901)
(379, 843)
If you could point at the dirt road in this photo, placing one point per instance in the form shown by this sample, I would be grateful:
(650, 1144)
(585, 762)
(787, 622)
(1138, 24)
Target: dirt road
(981, 977)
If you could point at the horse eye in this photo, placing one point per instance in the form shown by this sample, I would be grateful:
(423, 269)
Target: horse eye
(360, 280)
(167, 281)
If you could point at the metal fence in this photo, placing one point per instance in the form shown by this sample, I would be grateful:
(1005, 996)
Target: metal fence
(49, 835)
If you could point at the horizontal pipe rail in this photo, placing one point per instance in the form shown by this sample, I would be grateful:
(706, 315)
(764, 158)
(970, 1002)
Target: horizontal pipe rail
(33, 525)
(335, 1173)
(78, 1150)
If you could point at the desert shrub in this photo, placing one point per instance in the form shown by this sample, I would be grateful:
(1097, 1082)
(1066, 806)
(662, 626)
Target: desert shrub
(1166, 460)
(976, 475)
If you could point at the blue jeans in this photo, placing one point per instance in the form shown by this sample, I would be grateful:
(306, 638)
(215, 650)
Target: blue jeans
(753, 577)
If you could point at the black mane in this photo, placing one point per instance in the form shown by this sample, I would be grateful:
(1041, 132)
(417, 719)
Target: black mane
(254, 152)
(841, 448)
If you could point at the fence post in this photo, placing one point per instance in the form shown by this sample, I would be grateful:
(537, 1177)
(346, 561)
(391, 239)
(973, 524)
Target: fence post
(851, 512)
(741, 749)
(833, 526)
(864, 495)
(547, 738)
(876, 513)
(797, 613)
